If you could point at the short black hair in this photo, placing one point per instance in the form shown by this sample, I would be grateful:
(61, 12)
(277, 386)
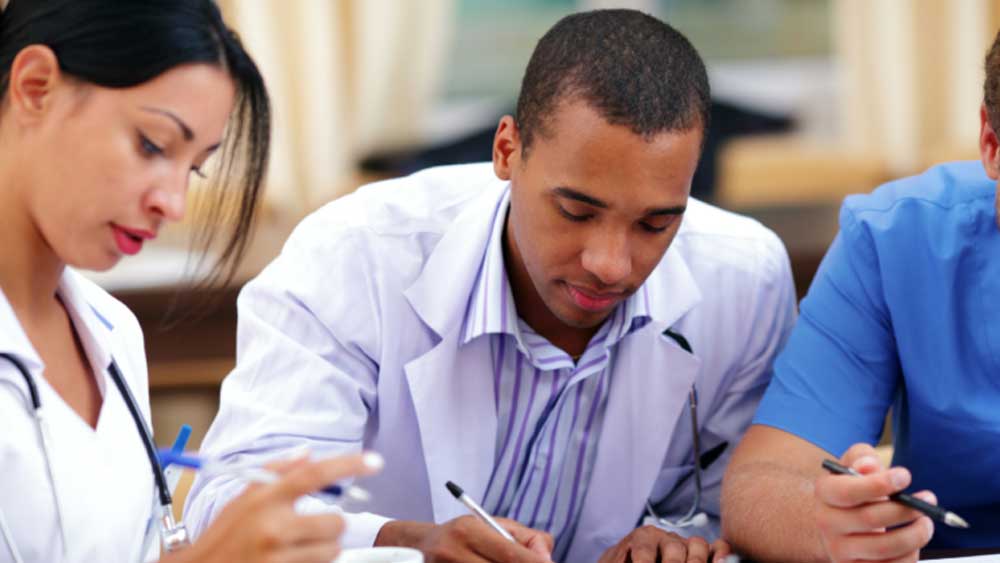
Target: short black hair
(634, 69)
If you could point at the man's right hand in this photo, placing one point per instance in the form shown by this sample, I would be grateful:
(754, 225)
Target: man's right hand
(468, 539)
(856, 519)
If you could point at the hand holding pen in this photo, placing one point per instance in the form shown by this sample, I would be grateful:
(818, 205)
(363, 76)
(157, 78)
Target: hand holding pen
(261, 524)
(858, 520)
(255, 474)
(476, 537)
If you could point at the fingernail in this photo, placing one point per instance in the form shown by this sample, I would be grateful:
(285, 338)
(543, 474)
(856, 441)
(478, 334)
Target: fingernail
(373, 461)
(899, 477)
(866, 461)
(930, 527)
(926, 496)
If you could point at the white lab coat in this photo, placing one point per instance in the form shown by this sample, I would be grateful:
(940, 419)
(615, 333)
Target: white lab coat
(104, 482)
(350, 340)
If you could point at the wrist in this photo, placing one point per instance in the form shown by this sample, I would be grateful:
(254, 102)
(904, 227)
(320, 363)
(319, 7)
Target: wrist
(403, 533)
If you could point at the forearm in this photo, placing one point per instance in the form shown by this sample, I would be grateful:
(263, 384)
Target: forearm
(768, 513)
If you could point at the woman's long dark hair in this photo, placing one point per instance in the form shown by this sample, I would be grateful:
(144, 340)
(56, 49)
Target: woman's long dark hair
(123, 43)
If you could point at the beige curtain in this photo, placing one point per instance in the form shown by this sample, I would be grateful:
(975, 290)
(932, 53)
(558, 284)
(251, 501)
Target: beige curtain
(911, 73)
(346, 77)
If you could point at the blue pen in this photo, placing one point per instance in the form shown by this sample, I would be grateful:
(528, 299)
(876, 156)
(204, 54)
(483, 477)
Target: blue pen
(252, 473)
(173, 474)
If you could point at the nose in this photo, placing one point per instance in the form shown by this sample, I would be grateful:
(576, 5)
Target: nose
(607, 256)
(168, 198)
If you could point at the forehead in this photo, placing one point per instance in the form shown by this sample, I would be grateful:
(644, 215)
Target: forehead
(201, 95)
(582, 150)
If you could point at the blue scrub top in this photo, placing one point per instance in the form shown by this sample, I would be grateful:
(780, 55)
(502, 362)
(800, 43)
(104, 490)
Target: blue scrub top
(904, 312)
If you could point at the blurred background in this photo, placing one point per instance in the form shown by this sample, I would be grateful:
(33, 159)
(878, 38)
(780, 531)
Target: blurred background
(813, 100)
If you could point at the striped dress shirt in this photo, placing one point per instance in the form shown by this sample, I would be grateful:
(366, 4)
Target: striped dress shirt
(549, 408)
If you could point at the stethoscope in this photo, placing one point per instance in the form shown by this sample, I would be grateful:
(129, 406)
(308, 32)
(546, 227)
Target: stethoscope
(693, 517)
(173, 535)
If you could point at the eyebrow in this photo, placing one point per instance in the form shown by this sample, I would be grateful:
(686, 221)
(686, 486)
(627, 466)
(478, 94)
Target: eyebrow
(188, 133)
(570, 193)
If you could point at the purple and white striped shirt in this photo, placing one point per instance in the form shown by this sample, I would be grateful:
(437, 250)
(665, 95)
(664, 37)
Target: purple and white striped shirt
(550, 410)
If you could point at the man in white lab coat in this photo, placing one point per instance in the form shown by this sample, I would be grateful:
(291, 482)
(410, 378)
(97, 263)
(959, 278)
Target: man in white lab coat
(534, 329)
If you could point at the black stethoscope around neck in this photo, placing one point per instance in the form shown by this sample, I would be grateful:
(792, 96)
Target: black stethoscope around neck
(173, 535)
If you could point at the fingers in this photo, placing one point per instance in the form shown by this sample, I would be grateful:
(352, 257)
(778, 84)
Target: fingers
(305, 477)
(721, 550)
(535, 540)
(854, 512)
(542, 545)
(282, 466)
(614, 555)
(650, 544)
(901, 542)
(867, 518)
(490, 545)
(848, 490)
(697, 550)
(315, 527)
(856, 452)
(646, 542)
(926, 496)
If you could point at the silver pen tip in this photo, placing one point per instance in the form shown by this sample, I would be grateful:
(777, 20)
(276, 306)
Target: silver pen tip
(955, 521)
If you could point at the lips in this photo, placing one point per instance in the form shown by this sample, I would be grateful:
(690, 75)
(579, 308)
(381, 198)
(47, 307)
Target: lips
(130, 241)
(593, 301)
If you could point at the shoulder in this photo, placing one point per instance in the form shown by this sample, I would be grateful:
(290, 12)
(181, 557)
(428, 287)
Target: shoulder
(943, 198)
(714, 241)
(426, 201)
(405, 215)
(378, 239)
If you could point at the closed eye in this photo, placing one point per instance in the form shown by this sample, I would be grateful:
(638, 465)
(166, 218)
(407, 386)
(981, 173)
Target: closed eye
(652, 228)
(572, 216)
(149, 147)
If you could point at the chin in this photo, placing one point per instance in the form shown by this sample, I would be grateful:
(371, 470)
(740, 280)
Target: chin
(577, 318)
(101, 263)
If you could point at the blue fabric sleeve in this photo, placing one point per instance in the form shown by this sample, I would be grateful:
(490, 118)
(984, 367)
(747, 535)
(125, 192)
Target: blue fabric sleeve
(837, 377)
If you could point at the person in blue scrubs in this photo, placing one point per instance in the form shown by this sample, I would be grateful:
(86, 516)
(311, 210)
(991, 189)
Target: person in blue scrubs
(902, 317)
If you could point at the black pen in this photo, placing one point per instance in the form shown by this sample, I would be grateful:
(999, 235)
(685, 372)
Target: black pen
(935, 512)
(463, 498)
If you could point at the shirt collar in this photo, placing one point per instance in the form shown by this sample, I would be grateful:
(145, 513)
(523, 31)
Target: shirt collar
(93, 328)
(491, 307)
(92, 325)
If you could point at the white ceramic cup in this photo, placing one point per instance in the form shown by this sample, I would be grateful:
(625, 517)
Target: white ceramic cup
(380, 555)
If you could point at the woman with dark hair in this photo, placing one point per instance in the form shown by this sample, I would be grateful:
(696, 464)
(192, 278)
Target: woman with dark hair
(107, 109)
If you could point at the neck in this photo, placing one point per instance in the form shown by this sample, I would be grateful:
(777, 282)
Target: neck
(532, 308)
(30, 270)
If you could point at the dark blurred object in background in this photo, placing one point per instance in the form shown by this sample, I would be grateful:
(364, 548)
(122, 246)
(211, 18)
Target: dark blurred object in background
(728, 121)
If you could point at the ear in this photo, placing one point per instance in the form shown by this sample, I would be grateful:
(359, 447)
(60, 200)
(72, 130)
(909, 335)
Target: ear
(989, 145)
(506, 148)
(34, 75)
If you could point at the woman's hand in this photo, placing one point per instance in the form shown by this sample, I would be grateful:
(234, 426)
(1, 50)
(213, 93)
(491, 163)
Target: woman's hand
(261, 525)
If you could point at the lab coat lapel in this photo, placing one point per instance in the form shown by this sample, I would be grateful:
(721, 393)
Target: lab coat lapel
(440, 295)
(648, 395)
(450, 384)
(453, 399)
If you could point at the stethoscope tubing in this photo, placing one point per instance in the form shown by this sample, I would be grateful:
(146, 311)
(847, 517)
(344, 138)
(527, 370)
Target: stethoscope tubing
(163, 490)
